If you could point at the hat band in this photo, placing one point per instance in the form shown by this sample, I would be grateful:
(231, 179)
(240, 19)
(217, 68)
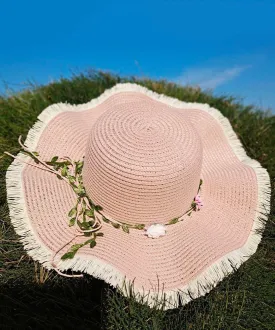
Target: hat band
(86, 214)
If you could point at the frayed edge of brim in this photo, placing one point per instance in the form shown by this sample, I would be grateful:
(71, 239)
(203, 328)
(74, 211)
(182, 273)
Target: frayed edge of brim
(199, 286)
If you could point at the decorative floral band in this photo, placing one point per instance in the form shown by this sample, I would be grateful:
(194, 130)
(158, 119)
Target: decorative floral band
(85, 212)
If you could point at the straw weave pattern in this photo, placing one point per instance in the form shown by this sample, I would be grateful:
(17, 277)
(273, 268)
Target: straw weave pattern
(143, 163)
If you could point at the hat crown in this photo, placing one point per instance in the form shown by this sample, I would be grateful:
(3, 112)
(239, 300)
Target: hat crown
(142, 164)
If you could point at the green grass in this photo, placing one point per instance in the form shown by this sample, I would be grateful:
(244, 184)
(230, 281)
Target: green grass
(33, 299)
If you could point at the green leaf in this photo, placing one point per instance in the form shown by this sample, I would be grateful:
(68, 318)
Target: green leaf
(79, 191)
(72, 222)
(68, 255)
(79, 166)
(79, 224)
(140, 226)
(36, 153)
(67, 163)
(93, 243)
(201, 182)
(89, 241)
(98, 208)
(73, 185)
(173, 221)
(105, 220)
(83, 225)
(75, 189)
(88, 234)
(90, 202)
(72, 212)
(89, 213)
(76, 247)
(71, 178)
(54, 159)
(71, 253)
(64, 170)
(125, 229)
(115, 225)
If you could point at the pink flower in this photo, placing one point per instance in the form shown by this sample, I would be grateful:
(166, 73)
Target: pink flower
(198, 202)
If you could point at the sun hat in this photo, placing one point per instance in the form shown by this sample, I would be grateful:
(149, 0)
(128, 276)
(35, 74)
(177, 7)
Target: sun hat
(138, 189)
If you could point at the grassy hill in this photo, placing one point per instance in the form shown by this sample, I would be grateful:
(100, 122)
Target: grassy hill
(33, 298)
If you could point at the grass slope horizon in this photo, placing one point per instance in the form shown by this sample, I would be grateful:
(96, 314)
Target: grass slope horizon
(35, 298)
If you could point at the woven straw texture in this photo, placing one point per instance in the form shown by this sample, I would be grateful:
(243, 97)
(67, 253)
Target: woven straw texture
(144, 157)
(143, 163)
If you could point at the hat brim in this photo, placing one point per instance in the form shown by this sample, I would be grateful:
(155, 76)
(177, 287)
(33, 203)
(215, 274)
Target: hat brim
(194, 255)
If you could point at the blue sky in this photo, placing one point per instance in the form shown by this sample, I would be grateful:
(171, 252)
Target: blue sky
(225, 45)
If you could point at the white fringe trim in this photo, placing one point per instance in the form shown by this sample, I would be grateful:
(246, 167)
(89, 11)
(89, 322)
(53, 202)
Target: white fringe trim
(98, 268)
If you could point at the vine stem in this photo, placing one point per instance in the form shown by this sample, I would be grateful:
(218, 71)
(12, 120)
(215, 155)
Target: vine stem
(27, 150)
(49, 169)
(55, 266)
(90, 230)
(23, 161)
(97, 221)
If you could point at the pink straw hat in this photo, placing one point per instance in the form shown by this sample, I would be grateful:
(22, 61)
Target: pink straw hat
(181, 204)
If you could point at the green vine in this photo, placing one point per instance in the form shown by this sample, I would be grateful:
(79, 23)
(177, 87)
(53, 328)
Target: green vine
(83, 213)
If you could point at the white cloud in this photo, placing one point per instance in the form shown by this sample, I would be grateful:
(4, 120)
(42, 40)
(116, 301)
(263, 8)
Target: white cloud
(210, 77)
